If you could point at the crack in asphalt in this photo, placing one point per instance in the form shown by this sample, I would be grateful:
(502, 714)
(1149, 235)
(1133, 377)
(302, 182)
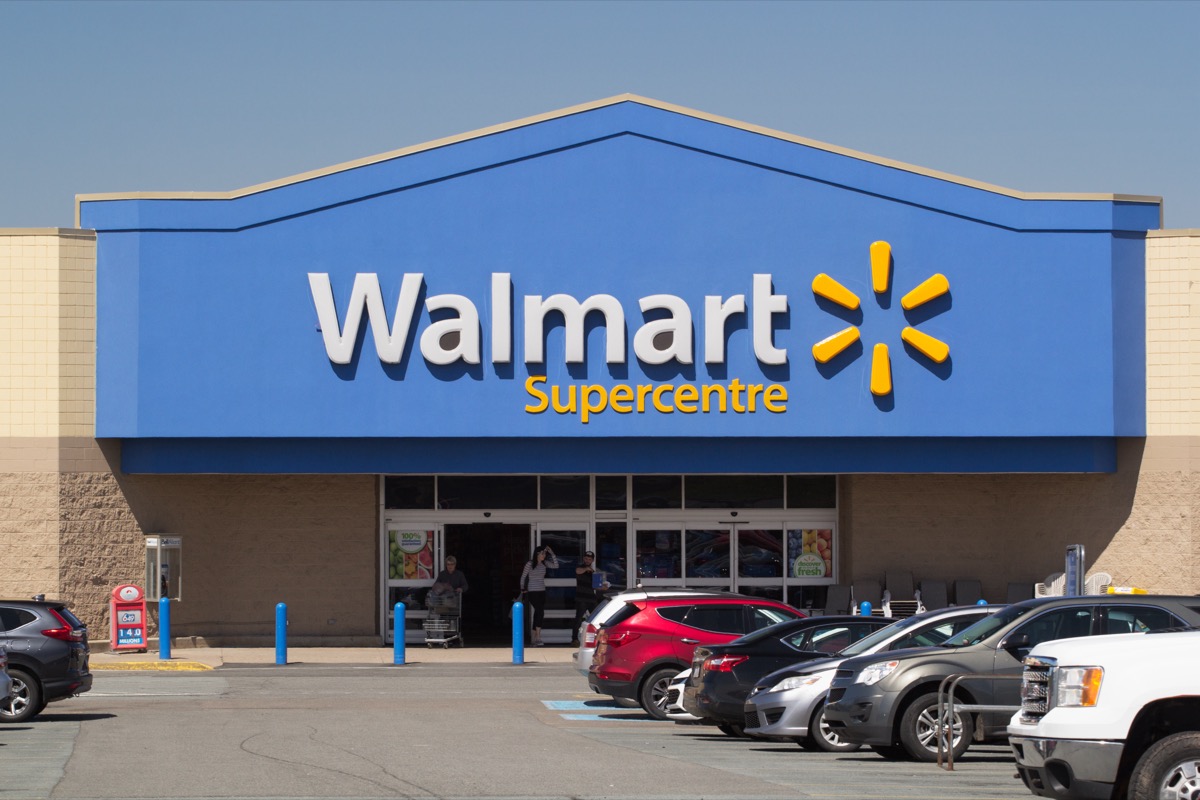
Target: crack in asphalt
(422, 792)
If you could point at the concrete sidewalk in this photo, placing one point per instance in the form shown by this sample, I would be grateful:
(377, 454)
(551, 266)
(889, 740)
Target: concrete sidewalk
(205, 658)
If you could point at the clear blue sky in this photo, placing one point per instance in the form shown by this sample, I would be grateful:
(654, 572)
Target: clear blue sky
(203, 96)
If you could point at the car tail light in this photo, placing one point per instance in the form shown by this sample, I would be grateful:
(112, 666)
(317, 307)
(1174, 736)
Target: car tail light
(66, 632)
(621, 638)
(589, 635)
(723, 663)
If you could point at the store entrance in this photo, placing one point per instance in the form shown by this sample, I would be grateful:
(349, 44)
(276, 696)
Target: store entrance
(491, 556)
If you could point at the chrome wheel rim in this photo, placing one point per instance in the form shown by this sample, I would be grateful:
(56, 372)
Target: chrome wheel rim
(658, 694)
(1182, 782)
(828, 734)
(18, 701)
(929, 728)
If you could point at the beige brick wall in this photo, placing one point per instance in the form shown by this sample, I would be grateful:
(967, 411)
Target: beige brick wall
(1138, 525)
(47, 364)
(47, 332)
(1173, 333)
(29, 534)
(249, 542)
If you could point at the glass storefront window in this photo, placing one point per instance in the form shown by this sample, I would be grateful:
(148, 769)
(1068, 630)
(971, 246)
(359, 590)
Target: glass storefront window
(568, 547)
(657, 491)
(812, 491)
(760, 553)
(611, 492)
(733, 491)
(611, 558)
(810, 553)
(410, 554)
(408, 492)
(658, 553)
(566, 491)
(707, 555)
(487, 491)
(769, 592)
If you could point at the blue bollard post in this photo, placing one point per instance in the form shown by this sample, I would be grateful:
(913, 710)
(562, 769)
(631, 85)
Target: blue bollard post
(281, 633)
(398, 633)
(164, 629)
(981, 602)
(864, 609)
(518, 620)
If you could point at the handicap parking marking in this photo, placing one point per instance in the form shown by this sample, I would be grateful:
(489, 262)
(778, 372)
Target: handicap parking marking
(624, 715)
(579, 705)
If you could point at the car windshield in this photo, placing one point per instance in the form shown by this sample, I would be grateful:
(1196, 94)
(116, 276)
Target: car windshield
(882, 635)
(986, 627)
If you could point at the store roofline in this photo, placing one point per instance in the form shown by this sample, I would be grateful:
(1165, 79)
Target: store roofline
(577, 109)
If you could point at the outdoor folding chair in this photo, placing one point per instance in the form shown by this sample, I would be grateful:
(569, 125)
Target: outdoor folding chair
(967, 592)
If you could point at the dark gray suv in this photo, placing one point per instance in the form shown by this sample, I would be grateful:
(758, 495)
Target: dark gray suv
(48, 652)
(889, 700)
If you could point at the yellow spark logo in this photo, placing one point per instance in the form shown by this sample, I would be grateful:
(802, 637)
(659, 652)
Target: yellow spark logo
(881, 364)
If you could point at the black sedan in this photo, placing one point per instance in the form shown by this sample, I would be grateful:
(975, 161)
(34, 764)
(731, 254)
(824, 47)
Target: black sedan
(723, 674)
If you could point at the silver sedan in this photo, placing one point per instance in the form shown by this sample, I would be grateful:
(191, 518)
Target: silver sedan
(790, 703)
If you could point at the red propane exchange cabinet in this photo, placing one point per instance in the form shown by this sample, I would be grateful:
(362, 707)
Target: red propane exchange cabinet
(127, 618)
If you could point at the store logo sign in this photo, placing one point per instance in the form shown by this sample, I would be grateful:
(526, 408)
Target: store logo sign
(453, 333)
(829, 348)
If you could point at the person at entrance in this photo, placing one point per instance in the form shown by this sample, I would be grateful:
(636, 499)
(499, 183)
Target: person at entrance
(586, 593)
(451, 577)
(533, 585)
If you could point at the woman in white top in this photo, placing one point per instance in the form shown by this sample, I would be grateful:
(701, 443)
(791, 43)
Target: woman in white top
(533, 584)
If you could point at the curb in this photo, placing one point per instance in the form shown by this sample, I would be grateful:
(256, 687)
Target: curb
(181, 666)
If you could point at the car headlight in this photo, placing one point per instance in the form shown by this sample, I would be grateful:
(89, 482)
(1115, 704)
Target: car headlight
(876, 672)
(795, 682)
(1077, 687)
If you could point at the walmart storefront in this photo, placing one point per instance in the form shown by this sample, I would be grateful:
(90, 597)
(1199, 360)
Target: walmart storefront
(715, 354)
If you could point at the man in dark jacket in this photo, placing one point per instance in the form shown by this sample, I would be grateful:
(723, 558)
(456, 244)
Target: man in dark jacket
(586, 594)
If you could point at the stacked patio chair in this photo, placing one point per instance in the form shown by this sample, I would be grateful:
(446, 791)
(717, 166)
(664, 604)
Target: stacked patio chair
(1055, 585)
(1097, 583)
(870, 592)
(933, 595)
(967, 592)
(837, 599)
(900, 599)
(1018, 591)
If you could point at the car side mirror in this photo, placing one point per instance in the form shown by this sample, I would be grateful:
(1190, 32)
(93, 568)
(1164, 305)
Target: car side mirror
(1019, 641)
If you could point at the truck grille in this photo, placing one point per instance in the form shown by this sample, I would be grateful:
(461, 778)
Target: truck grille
(1035, 688)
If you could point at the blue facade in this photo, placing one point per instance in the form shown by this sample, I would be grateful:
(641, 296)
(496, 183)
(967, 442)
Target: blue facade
(212, 358)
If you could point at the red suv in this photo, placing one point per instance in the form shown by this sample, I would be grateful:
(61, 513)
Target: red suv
(649, 641)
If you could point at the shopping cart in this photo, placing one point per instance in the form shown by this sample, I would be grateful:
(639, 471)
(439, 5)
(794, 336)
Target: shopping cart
(444, 624)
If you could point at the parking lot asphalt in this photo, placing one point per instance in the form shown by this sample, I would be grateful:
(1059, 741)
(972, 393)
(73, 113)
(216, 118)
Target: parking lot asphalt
(346, 723)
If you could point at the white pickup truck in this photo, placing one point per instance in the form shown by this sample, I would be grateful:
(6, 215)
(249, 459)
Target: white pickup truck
(1111, 718)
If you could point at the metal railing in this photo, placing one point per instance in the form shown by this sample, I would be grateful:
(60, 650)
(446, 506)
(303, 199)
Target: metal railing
(946, 708)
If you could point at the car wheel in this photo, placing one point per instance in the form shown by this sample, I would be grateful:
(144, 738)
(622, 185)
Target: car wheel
(920, 729)
(892, 752)
(654, 692)
(729, 729)
(26, 699)
(823, 737)
(1168, 770)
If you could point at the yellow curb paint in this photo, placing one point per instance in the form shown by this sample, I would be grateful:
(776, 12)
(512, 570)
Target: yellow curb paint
(194, 666)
